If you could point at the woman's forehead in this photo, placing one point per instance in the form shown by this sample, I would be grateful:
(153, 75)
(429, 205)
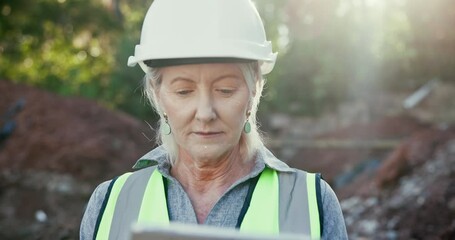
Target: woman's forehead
(206, 70)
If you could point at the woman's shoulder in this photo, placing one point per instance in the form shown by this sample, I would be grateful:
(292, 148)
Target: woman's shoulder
(100, 191)
(327, 195)
(96, 201)
(92, 210)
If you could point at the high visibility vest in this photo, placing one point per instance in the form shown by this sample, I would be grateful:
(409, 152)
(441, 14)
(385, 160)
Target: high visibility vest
(286, 202)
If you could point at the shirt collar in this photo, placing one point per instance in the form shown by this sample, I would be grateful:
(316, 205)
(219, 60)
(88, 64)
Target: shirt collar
(152, 158)
(271, 161)
(159, 155)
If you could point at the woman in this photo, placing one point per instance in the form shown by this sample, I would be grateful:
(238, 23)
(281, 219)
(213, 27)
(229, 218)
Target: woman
(204, 61)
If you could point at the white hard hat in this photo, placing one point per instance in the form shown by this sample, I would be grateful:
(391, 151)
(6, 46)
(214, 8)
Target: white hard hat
(194, 31)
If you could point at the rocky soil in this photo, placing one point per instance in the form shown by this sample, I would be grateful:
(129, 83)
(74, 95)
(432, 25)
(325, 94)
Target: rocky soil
(53, 152)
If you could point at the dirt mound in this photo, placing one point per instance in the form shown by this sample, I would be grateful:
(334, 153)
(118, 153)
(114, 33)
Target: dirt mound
(335, 161)
(401, 192)
(417, 204)
(412, 153)
(53, 152)
(392, 127)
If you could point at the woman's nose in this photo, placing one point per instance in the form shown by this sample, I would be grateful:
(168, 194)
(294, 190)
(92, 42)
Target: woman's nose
(205, 108)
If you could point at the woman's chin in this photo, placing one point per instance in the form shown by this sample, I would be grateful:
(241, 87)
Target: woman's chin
(205, 153)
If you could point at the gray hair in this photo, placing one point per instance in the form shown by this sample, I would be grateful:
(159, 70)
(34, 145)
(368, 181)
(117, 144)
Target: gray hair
(249, 142)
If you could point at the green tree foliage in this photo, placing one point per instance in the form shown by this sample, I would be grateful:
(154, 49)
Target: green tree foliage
(432, 38)
(329, 50)
(311, 69)
(58, 45)
(340, 50)
(74, 48)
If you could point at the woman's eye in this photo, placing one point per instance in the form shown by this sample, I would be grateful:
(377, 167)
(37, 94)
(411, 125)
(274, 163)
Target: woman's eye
(226, 91)
(183, 92)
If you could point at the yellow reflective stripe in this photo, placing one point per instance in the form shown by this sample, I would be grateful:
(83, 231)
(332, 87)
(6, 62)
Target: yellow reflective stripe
(313, 206)
(106, 220)
(262, 215)
(154, 207)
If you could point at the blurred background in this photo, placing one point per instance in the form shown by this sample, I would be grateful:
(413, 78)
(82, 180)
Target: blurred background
(362, 92)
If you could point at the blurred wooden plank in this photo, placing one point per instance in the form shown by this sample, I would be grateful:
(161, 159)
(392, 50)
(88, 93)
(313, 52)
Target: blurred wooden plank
(378, 144)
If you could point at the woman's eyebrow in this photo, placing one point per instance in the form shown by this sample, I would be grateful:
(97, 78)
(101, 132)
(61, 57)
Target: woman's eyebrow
(221, 77)
(226, 76)
(181, 79)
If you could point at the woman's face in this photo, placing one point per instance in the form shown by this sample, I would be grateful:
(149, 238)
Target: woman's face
(206, 105)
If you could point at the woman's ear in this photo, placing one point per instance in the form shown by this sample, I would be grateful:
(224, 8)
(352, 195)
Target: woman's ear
(250, 104)
(253, 93)
(156, 95)
(156, 99)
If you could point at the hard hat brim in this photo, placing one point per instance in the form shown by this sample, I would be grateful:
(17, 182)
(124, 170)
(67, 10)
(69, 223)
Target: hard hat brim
(266, 66)
(207, 49)
(185, 61)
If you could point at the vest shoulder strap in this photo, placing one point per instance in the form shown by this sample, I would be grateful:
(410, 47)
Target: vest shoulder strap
(103, 228)
(319, 201)
(262, 214)
(125, 193)
(103, 207)
(300, 209)
(313, 205)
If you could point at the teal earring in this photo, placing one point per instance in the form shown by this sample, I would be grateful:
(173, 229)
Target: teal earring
(166, 128)
(247, 127)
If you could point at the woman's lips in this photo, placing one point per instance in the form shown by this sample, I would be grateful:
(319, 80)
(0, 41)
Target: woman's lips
(207, 134)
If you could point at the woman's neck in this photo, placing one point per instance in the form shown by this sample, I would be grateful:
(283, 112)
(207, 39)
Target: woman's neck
(199, 175)
(206, 181)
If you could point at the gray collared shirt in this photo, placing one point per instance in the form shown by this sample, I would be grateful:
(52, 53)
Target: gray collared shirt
(226, 211)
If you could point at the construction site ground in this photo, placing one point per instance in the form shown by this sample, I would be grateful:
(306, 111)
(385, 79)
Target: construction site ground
(394, 174)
